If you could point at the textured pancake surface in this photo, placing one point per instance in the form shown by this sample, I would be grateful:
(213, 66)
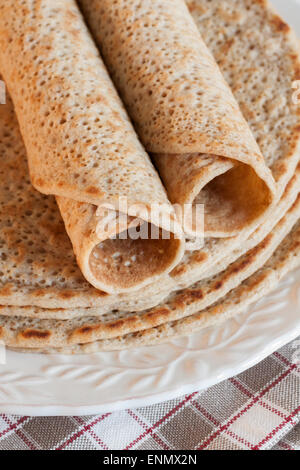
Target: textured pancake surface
(183, 110)
(80, 144)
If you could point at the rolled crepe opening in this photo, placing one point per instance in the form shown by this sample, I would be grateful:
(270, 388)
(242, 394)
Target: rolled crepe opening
(126, 262)
(181, 106)
(229, 193)
(229, 206)
(118, 252)
(80, 143)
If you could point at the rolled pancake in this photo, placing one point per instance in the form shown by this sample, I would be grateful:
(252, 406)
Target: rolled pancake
(82, 148)
(184, 113)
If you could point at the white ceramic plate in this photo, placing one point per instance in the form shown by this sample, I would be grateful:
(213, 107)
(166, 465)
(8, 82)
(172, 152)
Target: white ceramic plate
(79, 385)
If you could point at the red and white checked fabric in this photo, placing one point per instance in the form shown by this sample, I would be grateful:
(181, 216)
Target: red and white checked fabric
(258, 410)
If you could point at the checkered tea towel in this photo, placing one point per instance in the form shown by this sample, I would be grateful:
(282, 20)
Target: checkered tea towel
(258, 410)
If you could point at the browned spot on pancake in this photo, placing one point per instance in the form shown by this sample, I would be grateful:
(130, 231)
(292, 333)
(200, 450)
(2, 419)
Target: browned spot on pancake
(280, 25)
(187, 297)
(160, 312)
(181, 269)
(178, 303)
(295, 245)
(35, 334)
(263, 244)
(281, 167)
(92, 190)
(297, 69)
(241, 266)
(85, 330)
(38, 182)
(116, 324)
(236, 268)
(88, 233)
(257, 280)
(132, 319)
(295, 203)
(6, 290)
(90, 329)
(199, 257)
(38, 293)
(290, 184)
(260, 247)
(262, 2)
(218, 285)
(192, 6)
(217, 309)
(66, 294)
(227, 45)
(1, 332)
(116, 115)
(196, 294)
(293, 57)
(297, 129)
